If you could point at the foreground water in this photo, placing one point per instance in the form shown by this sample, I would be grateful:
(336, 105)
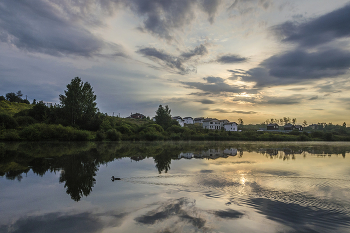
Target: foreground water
(175, 187)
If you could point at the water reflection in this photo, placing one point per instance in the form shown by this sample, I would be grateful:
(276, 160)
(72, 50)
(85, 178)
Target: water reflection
(79, 162)
(208, 187)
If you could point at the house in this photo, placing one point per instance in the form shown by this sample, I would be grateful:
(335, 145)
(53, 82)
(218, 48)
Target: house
(299, 127)
(198, 120)
(272, 126)
(137, 116)
(316, 126)
(224, 122)
(230, 126)
(289, 127)
(212, 123)
(180, 120)
(188, 120)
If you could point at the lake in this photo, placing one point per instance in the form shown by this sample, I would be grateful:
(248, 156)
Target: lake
(175, 187)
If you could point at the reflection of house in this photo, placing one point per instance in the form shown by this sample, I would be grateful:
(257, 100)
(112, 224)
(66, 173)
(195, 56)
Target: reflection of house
(188, 120)
(216, 153)
(272, 126)
(230, 126)
(180, 120)
(231, 151)
(187, 155)
(137, 116)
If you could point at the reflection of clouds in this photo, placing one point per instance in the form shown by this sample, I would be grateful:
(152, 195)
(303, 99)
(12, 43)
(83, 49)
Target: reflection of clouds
(304, 218)
(182, 211)
(70, 223)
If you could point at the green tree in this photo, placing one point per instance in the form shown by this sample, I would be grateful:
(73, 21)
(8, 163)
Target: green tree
(304, 123)
(163, 117)
(78, 102)
(240, 122)
(344, 124)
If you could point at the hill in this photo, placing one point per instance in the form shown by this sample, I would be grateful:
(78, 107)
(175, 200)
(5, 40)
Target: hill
(11, 108)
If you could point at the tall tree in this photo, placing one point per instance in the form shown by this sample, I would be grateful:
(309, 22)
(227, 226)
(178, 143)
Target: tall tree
(163, 117)
(78, 102)
(304, 123)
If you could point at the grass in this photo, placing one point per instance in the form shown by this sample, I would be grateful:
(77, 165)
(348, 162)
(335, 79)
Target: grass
(11, 108)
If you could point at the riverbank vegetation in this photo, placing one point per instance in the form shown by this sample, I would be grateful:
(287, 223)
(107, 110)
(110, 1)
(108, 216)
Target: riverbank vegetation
(77, 118)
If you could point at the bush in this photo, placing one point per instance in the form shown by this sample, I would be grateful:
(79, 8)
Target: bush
(25, 120)
(100, 136)
(175, 129)
(42, 131)
(10, 135)
(113, 135)
(7, 122)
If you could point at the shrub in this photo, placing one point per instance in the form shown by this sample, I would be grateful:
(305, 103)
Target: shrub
(100, 136)
(175, 129)
(25, 120)
(7, 122)
(113, 135)
(41, 131)
(10, 135)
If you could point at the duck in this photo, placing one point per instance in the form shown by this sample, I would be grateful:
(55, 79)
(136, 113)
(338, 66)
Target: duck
(115, 178)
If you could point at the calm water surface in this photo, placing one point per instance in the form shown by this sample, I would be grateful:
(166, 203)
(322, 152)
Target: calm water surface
(174, 187)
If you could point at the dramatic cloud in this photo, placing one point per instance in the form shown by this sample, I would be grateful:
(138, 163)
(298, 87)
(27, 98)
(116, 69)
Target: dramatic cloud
(303, 65)
(234, 111)
(200, 50)
(41, 28)
(230, 58)
(216, 85)
(169, 62)
(296, 66)
(211, 79)
(245, 7)
(318, 31)
(206, 101)
(162, 17)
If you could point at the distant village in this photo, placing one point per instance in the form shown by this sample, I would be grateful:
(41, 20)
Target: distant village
(215, 124)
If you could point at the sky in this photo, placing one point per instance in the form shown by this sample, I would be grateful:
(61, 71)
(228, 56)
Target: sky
(225, 59)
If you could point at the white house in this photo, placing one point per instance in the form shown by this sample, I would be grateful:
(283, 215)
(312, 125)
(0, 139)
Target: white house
(231, 126)
(180, 120)
(188, 120)
(213, 124)
(198, 120)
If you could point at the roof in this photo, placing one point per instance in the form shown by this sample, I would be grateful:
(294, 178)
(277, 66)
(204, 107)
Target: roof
(187, 118)
(272, 124)
(229, 123)
(298, 126)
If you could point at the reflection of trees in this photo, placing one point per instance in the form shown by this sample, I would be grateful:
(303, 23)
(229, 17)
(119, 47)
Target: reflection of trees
(79, 161)
(163, 162)
(78, 174)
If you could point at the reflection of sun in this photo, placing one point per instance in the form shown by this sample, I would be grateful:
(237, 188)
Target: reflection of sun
(242, 180)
